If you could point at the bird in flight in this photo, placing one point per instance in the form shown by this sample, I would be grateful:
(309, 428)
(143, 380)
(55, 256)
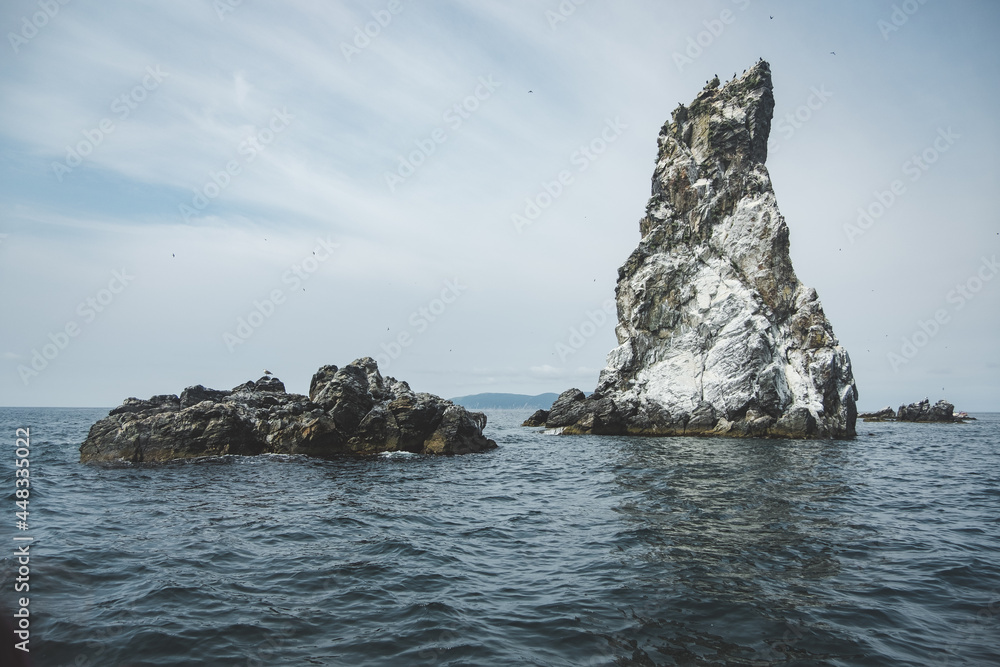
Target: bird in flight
(833, 53)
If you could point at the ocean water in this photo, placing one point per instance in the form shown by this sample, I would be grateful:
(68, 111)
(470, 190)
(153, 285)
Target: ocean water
(550, 550)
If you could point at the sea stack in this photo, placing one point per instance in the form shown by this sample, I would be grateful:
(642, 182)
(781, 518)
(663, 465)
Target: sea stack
(716, 334)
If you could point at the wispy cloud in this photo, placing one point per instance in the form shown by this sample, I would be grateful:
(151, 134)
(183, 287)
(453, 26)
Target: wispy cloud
(353, 119)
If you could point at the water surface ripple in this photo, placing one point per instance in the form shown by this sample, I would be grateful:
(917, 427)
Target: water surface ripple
(547, 551)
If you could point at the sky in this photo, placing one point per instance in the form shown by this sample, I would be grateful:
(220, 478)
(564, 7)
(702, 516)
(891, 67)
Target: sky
(194, 191)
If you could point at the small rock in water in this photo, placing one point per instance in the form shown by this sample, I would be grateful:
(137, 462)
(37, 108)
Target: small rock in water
(538, 418)
(942, 411)
(923, 411)
(350, 410)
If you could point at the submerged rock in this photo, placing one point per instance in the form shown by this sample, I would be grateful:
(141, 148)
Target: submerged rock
(716, 334)
(351, 410)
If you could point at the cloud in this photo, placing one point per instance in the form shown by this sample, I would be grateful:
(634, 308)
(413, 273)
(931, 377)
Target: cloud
(547, 371)
(242, 89)
(355, 119)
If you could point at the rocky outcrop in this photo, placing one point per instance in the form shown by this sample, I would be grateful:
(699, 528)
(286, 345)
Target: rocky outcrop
(349, 411)
(942, 411)
(885, 414)
(716, 334)
(537, 418)
(923, 411)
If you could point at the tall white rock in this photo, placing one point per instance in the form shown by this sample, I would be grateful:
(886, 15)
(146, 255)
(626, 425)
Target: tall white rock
(716, 333)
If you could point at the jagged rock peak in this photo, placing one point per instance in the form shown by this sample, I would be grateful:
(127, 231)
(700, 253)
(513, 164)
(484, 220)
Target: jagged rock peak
(716, 333)
(708, 148)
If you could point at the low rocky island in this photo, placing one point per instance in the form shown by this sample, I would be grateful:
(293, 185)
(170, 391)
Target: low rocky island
(923, 412)
(716, 334)
(349, 411)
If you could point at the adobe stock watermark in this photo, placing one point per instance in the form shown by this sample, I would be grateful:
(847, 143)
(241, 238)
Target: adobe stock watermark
(30, 27)
(782, 649)
(587, 329)
(445, 641)
(793, 121)
(983, 622)
(914, 168)
(268, 652)
(102, 637)
(714, 28)
(249, 149)
(454, 117)
(87, 310)
(562, 13)
(122, 106)
(363, 35)
(263, 309)
(420, 321)
(899, 17)
(223, 7)
(23, 542)
(959, 296)
(582, 158)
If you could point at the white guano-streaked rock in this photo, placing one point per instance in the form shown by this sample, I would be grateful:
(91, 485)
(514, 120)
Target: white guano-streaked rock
(716, 334)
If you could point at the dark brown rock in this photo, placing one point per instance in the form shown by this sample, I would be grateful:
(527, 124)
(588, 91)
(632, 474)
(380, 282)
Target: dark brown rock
(885, 414)
(537, 418)
(942, 411)
(460, 432)
(350, 411)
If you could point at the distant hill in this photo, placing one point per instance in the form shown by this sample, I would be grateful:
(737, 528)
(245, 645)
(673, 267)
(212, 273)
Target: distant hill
(506, 401)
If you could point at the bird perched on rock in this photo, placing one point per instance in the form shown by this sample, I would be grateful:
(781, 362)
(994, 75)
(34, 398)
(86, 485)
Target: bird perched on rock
(267, 372)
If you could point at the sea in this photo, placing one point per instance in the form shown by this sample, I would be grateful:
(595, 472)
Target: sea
(549, 550)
